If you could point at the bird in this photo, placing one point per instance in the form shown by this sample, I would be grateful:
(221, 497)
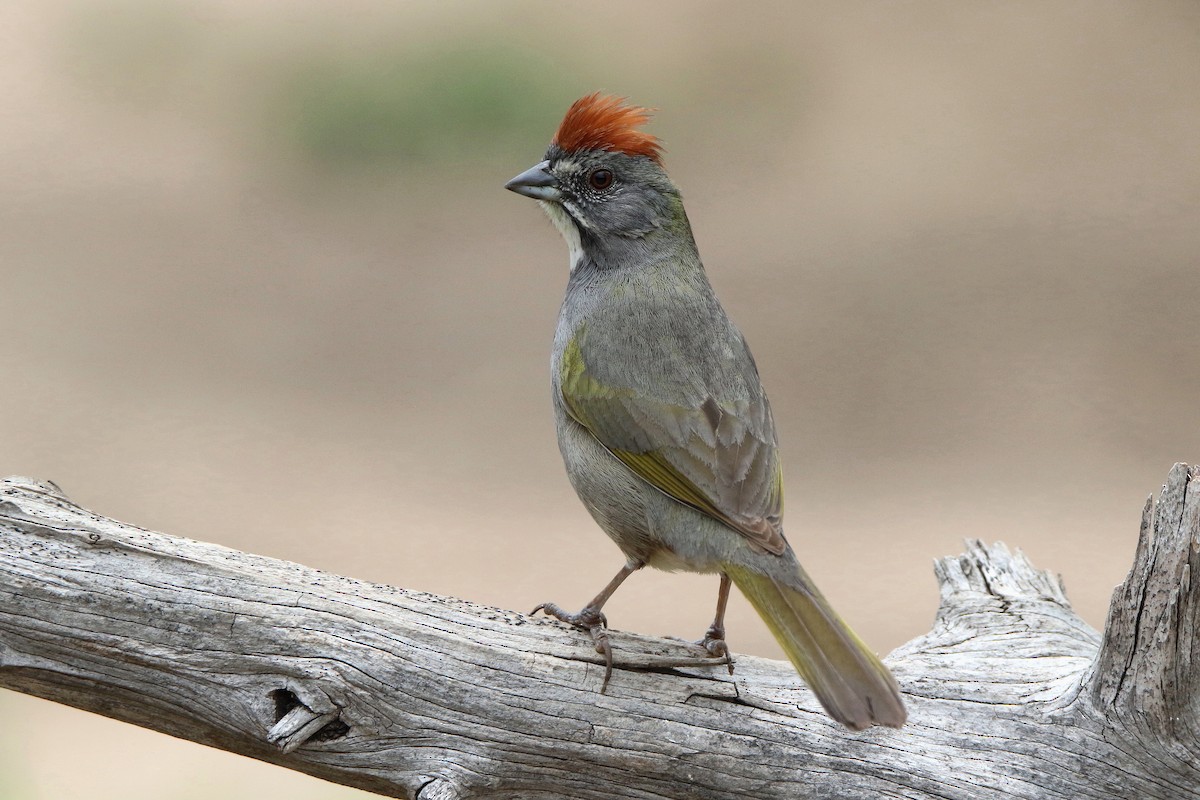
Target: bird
(662, 421)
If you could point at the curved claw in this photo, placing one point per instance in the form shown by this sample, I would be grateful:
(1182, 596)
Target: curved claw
(604, 648)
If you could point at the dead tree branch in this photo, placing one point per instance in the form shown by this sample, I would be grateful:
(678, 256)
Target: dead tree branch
(411, 695)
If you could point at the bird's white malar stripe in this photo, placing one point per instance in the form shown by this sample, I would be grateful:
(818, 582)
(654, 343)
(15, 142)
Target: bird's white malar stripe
(566, 226)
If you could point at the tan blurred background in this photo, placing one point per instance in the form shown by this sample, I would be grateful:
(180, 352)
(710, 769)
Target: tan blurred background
(261, 286)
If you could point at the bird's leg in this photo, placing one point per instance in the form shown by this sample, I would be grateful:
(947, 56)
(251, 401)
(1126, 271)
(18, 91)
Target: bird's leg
(714, 638)
(591, 619)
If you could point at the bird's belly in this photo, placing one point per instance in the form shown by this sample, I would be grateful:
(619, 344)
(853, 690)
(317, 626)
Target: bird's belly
(614, 495)
(646, 524)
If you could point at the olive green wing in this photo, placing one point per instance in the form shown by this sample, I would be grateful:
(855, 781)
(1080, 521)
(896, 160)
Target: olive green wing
(715, 455)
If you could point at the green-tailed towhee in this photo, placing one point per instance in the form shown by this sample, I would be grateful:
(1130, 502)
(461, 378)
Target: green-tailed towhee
(662, 421)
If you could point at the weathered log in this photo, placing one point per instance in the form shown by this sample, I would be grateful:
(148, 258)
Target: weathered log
(412, 695)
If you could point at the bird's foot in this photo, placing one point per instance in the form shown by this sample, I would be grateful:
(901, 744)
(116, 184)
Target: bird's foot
(587, 619)
(714, 644)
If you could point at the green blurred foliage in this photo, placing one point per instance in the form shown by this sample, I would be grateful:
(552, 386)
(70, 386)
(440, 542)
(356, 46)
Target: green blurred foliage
(464, 102)
(317, 101)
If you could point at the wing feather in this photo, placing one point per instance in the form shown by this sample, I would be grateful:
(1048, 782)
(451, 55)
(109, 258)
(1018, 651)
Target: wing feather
(717, 457)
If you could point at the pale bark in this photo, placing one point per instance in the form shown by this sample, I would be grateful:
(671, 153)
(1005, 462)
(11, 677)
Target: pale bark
(408, 694)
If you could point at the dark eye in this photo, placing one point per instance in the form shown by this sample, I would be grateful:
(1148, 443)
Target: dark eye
(600, 179)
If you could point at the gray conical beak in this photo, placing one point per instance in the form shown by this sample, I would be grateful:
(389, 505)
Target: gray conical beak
(537, 183)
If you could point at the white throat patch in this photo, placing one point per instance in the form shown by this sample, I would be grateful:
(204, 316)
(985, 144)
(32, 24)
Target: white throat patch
(566, 226)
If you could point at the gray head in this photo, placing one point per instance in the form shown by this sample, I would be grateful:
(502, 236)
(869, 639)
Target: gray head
(603, 184)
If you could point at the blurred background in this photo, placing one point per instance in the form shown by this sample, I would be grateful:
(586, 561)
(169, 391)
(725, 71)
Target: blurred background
(262, 286)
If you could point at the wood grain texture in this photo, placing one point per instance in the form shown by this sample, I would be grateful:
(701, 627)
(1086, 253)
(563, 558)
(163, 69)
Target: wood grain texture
(413, 695)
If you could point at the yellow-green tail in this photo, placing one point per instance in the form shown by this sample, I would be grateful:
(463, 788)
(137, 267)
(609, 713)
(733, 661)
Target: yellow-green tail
(852, 684)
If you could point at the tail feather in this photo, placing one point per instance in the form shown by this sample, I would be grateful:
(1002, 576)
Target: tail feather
(851, 683)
